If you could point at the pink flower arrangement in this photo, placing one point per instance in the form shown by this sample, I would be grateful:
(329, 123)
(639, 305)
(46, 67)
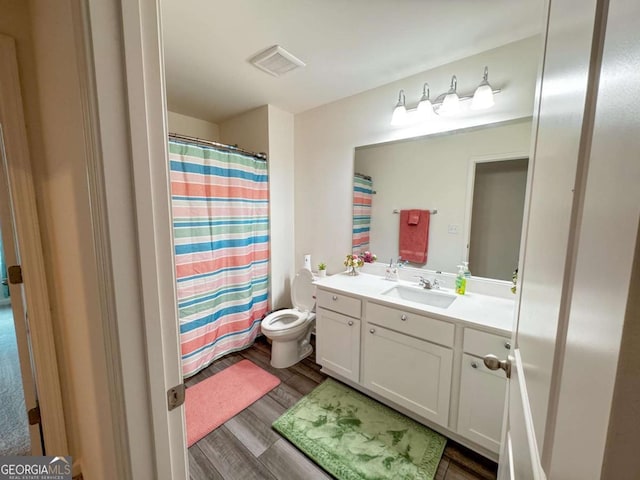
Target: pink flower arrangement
(353, 260)
(369, 257)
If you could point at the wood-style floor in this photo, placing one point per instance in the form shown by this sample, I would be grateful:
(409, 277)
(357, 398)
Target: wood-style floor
(247, 448)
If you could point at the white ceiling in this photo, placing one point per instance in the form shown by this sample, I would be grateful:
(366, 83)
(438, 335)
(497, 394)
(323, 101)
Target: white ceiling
(349, 46)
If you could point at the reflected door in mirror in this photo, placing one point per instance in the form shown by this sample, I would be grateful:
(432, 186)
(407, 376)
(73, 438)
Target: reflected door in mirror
(496, 218)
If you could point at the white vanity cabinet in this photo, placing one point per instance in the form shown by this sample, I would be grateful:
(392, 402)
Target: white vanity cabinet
(427, 363)
(401, 363)
(338, 333)
(482, 391)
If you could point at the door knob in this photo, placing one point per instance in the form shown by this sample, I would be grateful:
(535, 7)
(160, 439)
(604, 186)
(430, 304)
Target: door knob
(494, 363)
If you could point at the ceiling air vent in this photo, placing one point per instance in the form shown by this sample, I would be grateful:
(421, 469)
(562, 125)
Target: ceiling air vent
(276, 61)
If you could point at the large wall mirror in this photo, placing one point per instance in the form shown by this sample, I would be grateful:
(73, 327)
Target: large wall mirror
(473, 183)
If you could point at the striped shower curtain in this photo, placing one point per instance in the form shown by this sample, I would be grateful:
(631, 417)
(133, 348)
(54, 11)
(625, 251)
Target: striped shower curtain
(220, 204)
(362, 195)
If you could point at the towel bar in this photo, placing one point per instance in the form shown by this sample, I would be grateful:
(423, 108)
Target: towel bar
(433, 212)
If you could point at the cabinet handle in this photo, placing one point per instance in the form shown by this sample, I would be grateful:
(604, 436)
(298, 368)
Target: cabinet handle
(335, 297)
(507, 345)
(350, 323)
(403, 318)
(474, 365)
(373, 330)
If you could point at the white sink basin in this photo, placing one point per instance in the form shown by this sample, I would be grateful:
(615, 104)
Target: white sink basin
(420, 295)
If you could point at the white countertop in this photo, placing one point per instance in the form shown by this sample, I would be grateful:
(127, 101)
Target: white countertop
(491, 313)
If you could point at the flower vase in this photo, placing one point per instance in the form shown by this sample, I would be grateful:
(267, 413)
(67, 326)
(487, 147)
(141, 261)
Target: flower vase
(353, 271)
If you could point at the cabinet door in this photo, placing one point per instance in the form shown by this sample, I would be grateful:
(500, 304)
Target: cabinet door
(413, 373)
(482, 395)
(338, 343)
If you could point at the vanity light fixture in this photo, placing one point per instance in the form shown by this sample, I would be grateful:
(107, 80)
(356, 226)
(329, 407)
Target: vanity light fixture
(445, 104)
(399, 116)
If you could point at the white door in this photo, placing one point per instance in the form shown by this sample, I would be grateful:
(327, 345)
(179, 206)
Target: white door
(21, 322)
(548, 230)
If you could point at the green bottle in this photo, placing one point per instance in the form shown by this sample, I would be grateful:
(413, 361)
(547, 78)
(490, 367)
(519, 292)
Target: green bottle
(461, 281)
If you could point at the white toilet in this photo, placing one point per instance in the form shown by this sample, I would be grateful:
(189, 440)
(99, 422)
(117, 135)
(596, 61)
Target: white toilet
(290, 329)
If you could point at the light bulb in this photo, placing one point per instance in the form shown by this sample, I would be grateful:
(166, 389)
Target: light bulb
(451, 103)
(483, 96)
(425, 108)
(399, 116)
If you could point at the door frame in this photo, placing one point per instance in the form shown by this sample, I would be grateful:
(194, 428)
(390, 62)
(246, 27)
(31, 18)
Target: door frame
(144, 107)
(27, 233)
(142, 26)
(120, 65)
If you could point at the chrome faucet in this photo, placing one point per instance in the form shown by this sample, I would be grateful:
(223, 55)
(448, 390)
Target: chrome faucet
(428, 284)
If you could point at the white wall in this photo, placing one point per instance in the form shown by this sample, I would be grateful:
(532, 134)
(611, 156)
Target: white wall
(281, 205)
(249, 130)
(325, 138)
(193, 127)
(431, 173)
(270, 130)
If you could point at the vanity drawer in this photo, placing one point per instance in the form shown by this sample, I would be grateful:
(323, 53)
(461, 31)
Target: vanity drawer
(339, 303)
(482, 343)
(419, 326)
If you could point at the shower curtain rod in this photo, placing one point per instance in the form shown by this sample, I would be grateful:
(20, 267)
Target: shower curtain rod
(362, 175)
(221, 146)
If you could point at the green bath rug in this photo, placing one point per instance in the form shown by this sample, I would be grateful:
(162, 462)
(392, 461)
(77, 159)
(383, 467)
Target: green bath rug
(356, 438)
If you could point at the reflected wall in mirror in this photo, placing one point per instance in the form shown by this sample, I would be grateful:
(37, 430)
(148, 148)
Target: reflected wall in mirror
(437, 172)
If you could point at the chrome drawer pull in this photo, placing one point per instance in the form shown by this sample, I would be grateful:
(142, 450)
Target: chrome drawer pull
(474, 365)
(403, 318)
(335, 297)
(350, 323)
(373, 330)
(507, 345)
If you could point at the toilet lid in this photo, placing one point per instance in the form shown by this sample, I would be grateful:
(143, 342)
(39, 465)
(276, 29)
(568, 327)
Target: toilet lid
(303, 291)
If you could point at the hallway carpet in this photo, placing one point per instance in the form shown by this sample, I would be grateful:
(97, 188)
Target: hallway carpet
(14, 430)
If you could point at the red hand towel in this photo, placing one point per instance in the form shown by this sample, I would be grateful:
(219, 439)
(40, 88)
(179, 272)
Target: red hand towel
(414, 239)
(414, 217)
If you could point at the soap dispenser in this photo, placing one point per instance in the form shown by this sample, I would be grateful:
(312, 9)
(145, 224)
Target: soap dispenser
(467, 272)
(461, 281)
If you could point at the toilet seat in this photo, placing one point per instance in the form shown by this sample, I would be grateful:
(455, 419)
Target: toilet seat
(303, 299)
(287, 319)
